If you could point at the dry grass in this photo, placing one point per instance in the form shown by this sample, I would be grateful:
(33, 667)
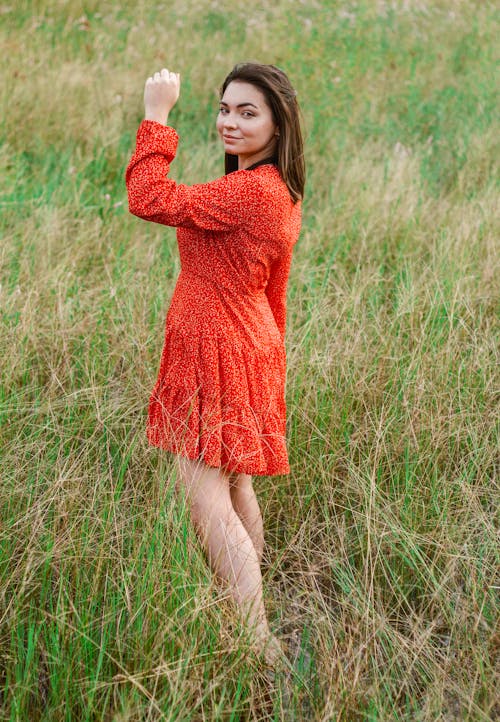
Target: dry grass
(382, 544)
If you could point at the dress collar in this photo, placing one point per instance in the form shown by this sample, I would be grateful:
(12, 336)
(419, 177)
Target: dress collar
(272, 159)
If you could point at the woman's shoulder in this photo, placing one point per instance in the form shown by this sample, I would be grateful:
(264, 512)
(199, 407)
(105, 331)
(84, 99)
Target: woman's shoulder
(273, 187)
(266, 179)
(260, 190)
(263, 182)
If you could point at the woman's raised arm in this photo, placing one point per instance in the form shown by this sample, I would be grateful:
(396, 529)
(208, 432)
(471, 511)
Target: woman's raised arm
(220, 205)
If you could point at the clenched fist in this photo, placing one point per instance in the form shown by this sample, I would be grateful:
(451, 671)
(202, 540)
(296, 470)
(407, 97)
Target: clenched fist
(160, 95)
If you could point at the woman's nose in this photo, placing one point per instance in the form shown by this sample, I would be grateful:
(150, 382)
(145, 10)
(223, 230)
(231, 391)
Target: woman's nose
(229, 122)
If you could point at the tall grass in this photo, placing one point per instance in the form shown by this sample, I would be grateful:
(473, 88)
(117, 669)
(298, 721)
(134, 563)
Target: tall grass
(382, 555)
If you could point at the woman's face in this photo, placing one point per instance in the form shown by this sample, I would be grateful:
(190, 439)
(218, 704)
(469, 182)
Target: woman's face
(245, 123)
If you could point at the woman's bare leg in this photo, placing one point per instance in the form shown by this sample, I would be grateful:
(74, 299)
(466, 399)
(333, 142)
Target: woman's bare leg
(230, 550)
(247, 507)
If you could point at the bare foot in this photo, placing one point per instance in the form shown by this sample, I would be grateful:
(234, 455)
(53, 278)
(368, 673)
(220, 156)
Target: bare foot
(265, 643)
(274, 653)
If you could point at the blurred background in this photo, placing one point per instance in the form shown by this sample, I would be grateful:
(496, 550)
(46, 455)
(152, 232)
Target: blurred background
(381, 560)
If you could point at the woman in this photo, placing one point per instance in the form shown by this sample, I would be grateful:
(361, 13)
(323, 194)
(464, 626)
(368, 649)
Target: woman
(219, 400)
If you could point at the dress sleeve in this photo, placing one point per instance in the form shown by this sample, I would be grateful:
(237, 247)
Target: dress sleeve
(276, 288)
(220, 205)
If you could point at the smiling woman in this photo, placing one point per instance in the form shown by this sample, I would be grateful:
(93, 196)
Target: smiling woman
(246, 124)
(276, 103)
(219, 400)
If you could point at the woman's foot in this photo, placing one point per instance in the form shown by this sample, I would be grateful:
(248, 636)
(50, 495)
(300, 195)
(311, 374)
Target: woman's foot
(272, 650)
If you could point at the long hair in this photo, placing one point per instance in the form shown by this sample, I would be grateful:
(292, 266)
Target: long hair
(282, 100)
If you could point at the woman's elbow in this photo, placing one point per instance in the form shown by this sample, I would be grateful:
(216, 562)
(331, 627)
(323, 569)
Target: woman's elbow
(153, 208)
(135, 209)
(140, 200)
(138, 206)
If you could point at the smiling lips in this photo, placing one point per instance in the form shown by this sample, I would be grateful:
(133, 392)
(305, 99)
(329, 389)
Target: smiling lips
(230, 137)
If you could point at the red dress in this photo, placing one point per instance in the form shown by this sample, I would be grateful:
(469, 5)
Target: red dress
(220, 391)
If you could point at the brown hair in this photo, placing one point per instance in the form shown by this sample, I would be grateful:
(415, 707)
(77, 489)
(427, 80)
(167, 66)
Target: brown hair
(282, 100)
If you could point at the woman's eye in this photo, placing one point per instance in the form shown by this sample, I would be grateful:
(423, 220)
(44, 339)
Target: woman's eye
(246, 113)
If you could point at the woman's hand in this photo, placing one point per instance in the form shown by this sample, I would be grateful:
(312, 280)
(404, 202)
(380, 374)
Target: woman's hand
(160, 95)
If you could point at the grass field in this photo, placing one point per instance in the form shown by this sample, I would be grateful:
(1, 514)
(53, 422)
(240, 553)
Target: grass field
(382, 554)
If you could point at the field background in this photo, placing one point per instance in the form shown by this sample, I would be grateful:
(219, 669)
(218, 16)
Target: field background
(381, 545)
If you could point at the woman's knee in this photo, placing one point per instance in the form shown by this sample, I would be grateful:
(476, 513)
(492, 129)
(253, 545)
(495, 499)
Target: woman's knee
(206, 489)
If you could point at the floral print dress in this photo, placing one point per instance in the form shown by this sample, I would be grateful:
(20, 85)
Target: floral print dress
(220, 390)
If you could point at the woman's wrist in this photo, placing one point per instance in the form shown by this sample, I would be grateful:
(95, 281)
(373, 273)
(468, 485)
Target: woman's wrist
(156, 118)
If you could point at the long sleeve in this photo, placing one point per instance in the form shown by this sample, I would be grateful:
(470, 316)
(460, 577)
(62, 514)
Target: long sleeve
(276, 289)
(220, 205)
